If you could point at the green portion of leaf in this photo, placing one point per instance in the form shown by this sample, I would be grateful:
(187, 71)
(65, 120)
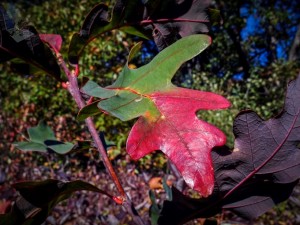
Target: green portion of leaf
(31, 146)
(93, 89)
(37, 199)
(42, 139)
(157, 75)
(60, 147)
(128, 97)
(125, 102)
(135, 85)
(89, 110)
(134, 31)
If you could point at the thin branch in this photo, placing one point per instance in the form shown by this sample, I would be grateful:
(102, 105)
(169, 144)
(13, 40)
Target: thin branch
(73, 88)
(295, 48)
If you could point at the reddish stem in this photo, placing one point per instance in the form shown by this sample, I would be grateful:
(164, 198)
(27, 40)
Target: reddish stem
(73, 88)
(74, 91)
(143, 22)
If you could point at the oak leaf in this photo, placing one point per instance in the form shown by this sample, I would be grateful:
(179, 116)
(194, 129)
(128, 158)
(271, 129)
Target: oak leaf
(167, 114)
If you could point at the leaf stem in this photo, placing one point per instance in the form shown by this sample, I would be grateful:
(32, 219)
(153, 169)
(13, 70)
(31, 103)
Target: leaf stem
(73, 88)
(167, 20)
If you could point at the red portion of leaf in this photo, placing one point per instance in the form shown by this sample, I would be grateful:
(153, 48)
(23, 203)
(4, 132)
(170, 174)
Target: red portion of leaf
(54, 40)
(36, 199)
(185, 139)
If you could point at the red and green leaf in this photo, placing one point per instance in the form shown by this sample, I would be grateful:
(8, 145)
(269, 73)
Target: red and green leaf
(167, 114)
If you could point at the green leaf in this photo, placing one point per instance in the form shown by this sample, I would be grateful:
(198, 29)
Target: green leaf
(42, 139)
(89, 110)
(93, 89)
(127, 106)
(37, 199)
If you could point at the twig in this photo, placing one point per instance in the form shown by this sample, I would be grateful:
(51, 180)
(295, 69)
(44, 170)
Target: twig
(73, 88)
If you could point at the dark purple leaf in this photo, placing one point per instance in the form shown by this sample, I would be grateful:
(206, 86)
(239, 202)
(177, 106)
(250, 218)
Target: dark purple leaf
(173, 19)
(25, 43)
(37, 198)
(260, 172)
(249, 202)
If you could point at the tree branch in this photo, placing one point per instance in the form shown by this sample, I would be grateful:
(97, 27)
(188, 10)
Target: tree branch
(294, 52)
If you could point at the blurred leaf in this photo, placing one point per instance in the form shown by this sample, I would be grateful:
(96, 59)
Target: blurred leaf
(41, 139)
(214, 16)
(167, 189)
(37, 199)
(97, 23)
(154, 210)
(81, 146)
